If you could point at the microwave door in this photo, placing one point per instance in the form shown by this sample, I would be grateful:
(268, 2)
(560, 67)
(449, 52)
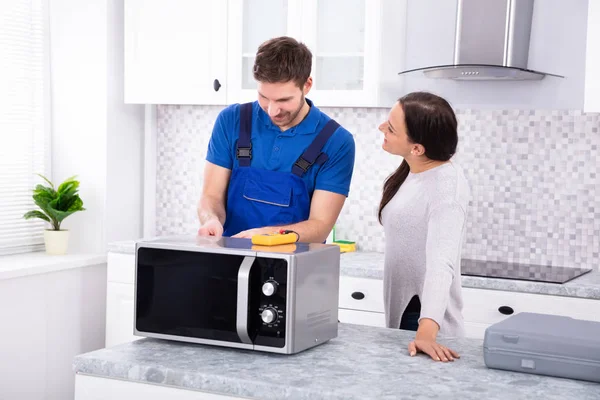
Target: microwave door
(191, 294)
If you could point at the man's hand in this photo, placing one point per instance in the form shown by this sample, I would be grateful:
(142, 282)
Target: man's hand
(256, 231)
(211, 207)
(212, 227)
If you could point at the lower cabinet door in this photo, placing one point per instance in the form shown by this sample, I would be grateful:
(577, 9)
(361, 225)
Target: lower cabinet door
(361, 317)
(485, 307)
(475, 330)
(119, 314)
(362, 294)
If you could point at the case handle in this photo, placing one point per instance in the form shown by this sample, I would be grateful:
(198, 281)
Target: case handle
(241, 318)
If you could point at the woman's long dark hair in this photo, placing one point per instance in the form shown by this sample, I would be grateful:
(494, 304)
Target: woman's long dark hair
(430, 122)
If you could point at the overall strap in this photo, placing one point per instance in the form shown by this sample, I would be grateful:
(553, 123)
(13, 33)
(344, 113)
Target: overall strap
(243, 151)
(313, 153)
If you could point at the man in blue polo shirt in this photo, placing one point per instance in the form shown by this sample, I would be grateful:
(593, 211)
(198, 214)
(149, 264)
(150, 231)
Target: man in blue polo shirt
(279, 162)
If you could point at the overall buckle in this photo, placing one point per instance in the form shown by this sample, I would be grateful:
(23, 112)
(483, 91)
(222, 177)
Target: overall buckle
(244, 152)
(303, 164)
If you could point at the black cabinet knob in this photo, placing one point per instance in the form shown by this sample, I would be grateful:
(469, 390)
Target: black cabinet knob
(506, 310)
(216, 85)
(358, 295)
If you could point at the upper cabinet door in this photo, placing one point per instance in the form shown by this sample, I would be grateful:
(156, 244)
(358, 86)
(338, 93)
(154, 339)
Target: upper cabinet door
(592, 63)
(358, 48)
(343, 36)
(251, 22)
(175, 51)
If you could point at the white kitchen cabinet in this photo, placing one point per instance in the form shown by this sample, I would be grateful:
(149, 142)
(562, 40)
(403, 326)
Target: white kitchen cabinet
(119, 314)
(483, 308)
(175, 51)
(361, 294)
(250, 23)
(361, 302)
(120, 299)
(592, 62)
(357, 47)
(368, 318)
(347, 38)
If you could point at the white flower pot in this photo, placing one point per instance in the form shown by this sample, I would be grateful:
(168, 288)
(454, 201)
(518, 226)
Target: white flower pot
(56, 241)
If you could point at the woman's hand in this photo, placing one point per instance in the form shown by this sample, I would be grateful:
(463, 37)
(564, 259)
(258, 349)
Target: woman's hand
(425, 341)
(433, 349)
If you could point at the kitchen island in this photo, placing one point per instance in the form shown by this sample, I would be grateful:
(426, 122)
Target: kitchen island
(363, 362)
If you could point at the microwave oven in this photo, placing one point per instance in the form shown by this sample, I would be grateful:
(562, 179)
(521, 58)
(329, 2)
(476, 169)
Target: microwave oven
(228, 292)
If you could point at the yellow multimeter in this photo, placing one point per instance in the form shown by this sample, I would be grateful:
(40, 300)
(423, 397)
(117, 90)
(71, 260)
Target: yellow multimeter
(275, 238)
(282, 248)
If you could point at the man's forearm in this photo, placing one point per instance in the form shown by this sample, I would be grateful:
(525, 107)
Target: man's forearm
(209, 208)
(309, 231)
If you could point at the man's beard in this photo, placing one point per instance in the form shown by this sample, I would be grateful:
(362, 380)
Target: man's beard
(290, 116)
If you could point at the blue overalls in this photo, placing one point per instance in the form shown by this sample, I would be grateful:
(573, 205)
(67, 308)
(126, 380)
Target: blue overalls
(257, 197)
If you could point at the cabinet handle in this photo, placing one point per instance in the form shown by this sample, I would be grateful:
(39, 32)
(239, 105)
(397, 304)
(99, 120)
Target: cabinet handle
(358, 295)
(216, 85)
(506, 310)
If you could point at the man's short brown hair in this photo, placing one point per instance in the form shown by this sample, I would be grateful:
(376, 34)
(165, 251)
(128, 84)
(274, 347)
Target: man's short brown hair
(283, 59)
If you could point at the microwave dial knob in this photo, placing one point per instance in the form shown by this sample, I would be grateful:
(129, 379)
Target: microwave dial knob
(269, 315)
(269, 288)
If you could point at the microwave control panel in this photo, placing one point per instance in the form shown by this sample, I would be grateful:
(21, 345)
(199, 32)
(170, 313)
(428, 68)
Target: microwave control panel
(268, 313)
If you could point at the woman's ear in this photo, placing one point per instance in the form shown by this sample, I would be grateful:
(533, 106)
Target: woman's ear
(417, 150)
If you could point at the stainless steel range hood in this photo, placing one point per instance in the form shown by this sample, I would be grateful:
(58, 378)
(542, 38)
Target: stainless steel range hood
(491, 43)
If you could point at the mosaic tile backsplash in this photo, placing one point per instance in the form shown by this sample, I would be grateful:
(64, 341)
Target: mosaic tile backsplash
(534, 177)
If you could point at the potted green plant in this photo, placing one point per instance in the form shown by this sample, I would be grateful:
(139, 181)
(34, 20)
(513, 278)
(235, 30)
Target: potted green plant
(56, 205)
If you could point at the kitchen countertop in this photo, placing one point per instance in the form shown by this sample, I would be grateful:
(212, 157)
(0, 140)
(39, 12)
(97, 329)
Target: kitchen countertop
(361, 363)
(370, 265)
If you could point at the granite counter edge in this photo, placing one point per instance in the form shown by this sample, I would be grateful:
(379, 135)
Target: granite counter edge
(86, 364)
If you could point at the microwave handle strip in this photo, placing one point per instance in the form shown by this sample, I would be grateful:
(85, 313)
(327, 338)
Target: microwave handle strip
(242, 299)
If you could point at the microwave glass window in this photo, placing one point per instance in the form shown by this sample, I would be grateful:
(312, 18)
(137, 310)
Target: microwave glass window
(187, 293)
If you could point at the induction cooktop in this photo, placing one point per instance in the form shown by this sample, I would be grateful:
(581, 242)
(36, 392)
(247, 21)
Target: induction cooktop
(527, 272)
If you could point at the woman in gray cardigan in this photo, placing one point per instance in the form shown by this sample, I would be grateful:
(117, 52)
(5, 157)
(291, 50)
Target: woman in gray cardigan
(423, 210)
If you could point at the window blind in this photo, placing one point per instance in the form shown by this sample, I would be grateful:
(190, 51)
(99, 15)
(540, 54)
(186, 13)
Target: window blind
(24, 116)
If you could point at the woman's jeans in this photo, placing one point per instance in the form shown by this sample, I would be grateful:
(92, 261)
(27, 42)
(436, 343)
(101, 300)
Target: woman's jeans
(410, 318)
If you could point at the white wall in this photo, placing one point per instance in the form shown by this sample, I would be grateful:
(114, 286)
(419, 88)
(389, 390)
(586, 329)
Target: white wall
(94, 135)
(51, 318)
(78, 32)
(592, 62)
(125, 134)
